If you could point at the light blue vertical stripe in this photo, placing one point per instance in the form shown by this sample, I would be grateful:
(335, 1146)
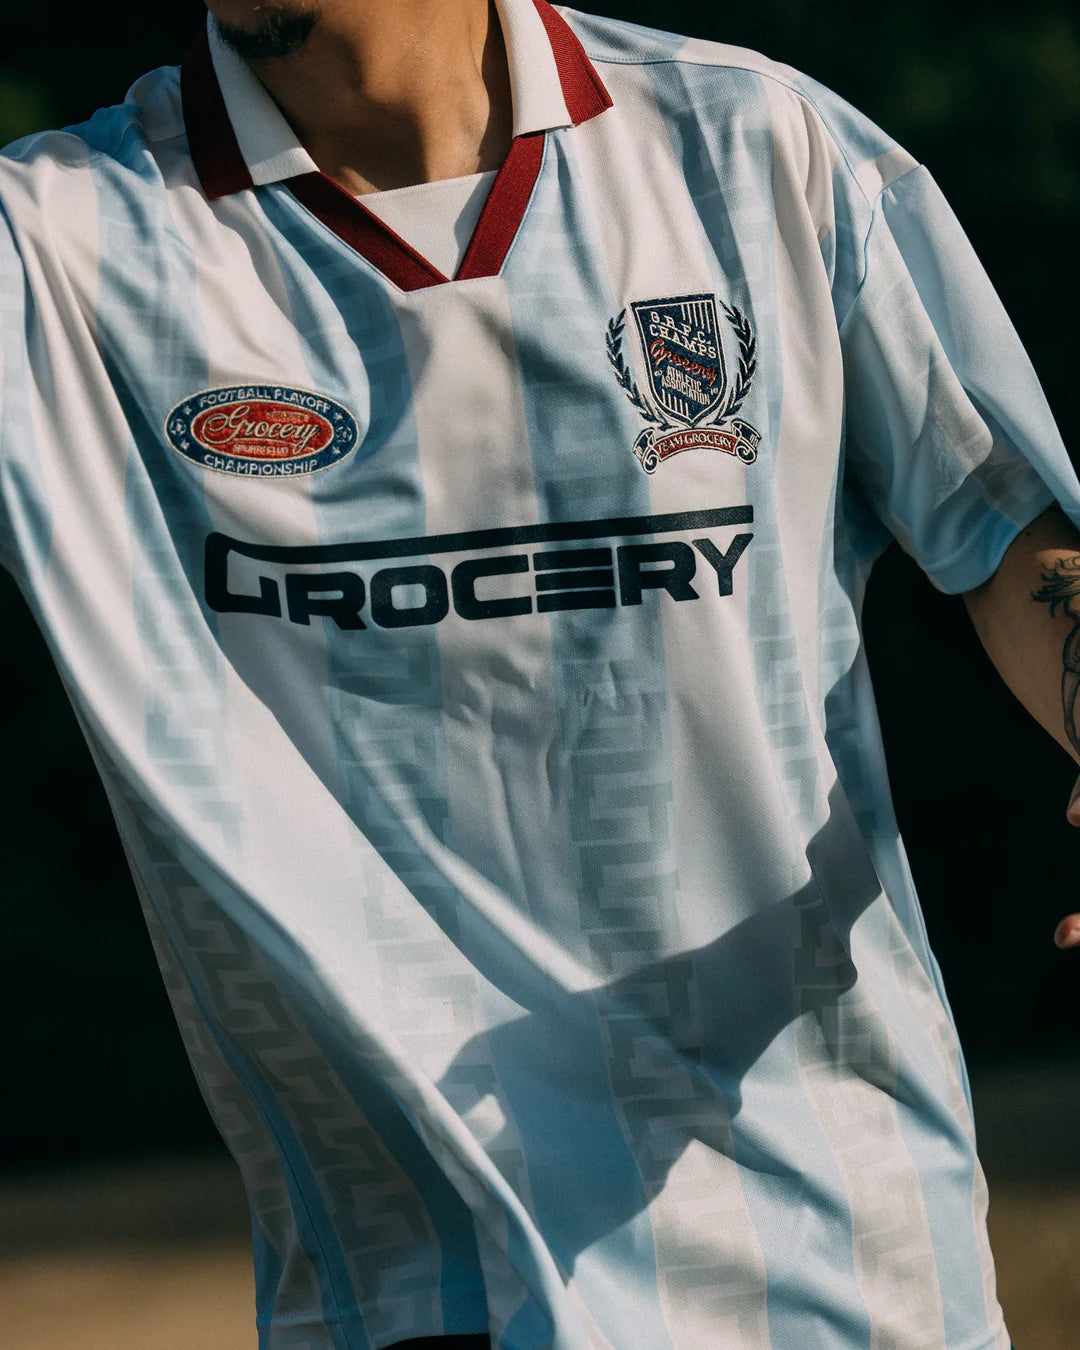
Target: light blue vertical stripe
(268, 1275)
(464, 1302)
(154, 350)
(384, 686)
(723, 137)
(171, 891)
(939, 1147)
(343, 1321)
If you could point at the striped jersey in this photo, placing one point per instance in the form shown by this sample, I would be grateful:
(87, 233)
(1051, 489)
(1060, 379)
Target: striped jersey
(474, 668)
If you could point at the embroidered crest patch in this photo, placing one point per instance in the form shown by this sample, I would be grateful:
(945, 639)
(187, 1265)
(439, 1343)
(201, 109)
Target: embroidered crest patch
(265, 431)
(691, 404)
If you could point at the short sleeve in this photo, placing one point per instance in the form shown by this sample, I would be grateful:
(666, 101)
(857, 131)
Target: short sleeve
(13, 361)
(948, 432)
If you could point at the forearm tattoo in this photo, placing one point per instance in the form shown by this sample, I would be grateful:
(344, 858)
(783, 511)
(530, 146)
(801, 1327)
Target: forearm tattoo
(1061, 586)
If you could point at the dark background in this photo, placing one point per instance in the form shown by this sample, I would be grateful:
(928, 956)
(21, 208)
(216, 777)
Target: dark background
(91, 1063)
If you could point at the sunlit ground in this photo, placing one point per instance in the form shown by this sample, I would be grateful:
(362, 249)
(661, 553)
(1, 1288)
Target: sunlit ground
(193, 1298)
(154, 1256)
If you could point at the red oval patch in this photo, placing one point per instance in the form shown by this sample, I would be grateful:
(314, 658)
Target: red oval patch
(262, 429)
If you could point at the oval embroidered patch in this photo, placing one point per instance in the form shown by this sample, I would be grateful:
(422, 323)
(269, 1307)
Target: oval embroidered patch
(264, 431)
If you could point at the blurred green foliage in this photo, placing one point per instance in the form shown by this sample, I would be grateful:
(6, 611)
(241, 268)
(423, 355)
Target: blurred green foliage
(25, 105)
(989, 98)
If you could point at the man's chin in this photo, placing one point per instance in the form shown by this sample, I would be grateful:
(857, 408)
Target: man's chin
(276, 31)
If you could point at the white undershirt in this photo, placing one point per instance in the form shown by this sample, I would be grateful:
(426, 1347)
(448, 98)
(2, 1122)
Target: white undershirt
(437, 219)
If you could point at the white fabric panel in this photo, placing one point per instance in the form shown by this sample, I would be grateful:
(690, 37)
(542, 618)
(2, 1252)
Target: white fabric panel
(437, 219)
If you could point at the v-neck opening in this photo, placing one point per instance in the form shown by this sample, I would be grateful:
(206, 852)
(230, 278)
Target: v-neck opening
(374, 240)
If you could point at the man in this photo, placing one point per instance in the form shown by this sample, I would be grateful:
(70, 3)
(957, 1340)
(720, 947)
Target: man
(474, 665)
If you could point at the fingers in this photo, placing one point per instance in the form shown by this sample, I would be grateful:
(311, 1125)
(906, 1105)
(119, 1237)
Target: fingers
(1072, 811)
(1068, 932)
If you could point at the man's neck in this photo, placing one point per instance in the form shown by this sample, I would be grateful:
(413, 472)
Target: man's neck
(387, 93)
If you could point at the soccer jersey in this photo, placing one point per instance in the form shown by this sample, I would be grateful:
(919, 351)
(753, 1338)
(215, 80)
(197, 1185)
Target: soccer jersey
(474, 669)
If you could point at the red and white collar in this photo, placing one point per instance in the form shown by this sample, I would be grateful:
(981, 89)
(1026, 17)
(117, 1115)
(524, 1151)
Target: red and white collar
(239, 139)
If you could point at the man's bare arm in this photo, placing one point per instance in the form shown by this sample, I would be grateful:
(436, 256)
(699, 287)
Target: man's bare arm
(1028, 618)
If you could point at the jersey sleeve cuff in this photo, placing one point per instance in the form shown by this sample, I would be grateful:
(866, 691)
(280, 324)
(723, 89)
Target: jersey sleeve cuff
(981, 555)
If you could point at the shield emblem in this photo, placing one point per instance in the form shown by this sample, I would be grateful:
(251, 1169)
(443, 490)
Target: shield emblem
(684, 357)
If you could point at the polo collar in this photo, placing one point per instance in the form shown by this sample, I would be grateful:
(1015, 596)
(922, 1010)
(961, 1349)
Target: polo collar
(239, 138)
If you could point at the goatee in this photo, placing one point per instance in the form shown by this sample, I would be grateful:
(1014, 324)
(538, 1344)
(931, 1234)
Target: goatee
(279, 30)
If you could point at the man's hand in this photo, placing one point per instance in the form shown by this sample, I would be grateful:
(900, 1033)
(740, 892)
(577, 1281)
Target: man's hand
(1028, 619)
(1068, 930)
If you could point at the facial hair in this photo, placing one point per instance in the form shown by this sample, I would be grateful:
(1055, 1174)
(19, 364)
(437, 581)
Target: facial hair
(279, 30)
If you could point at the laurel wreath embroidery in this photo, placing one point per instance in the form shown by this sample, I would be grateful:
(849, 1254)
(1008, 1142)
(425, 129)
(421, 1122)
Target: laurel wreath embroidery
(622, 374)
(739, 390)
(747, 362)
